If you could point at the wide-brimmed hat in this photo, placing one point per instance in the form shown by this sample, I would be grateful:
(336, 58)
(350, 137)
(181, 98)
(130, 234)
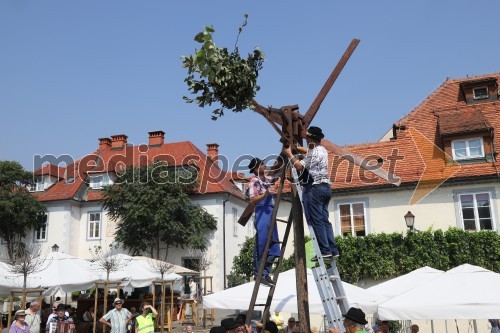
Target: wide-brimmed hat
(254, 163)
(356, 315)
(61, 307)
(20, 313)
(228, 323)
(315, 133)
(118, 300)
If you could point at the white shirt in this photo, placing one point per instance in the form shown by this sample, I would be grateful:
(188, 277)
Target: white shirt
(316, 162)
(118, 320)
(33, 320)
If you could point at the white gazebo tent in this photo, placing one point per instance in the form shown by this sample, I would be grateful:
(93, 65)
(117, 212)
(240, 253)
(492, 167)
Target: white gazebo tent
(464, 292)
(134, 272)
(403, 283)
(61, 271)
(285, 297)
(174, 269)
(6, 280)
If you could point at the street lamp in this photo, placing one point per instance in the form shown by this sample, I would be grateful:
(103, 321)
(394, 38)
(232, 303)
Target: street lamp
(55, 248)
(410, 220)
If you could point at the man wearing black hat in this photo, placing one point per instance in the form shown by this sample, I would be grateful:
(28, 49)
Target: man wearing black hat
(354, 322)
(258, 192)
(317, 192)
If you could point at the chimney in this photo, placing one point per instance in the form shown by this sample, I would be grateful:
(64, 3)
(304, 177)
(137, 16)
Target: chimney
(118, 141)
(213, 151)
(156, 138)
(104, 144)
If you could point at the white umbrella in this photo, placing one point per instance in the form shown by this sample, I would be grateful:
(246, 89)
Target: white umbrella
(403, 283)
(61, 271)
(464, 292)
(285, 297)
(6, 279)
(174, 269)
(134, 272)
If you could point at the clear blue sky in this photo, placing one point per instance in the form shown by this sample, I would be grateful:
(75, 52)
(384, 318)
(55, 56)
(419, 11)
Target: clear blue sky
(72, 71)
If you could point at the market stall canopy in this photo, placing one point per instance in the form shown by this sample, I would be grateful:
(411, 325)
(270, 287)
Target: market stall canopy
(464, 292)
(6, 279)
(133, 272)
(60, 271)
(403, 283)
(285, 297)
(174, 269)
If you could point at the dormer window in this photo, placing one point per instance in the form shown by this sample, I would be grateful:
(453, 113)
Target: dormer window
(38, 186)
(480, 93)
(467, 149)
(98, 181)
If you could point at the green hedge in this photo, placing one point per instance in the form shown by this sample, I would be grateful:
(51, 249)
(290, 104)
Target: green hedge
(382, 256)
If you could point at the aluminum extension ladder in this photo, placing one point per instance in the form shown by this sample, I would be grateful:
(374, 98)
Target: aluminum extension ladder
(327, 279)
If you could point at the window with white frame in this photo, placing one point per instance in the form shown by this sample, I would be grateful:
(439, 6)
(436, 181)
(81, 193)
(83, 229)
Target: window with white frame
(40, 234)
(235, 222)
(480, 93)
(38, 186)
(476, 211)
(98, 181)
(94, 225)
(466, 149)
(352, 219)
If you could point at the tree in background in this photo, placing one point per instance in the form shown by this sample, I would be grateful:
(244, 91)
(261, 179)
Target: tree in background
(20, 212)
(153, 210)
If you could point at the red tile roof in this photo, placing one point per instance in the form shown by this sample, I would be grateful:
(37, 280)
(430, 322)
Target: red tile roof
(51, 170)
(446, 103)
(210, 177)
(462, 121)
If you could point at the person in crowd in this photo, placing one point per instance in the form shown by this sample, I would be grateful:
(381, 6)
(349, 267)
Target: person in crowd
(415, 328)
(384, 326)
(145, 321)
(19, 325)
(56, 302)
(261, 197)
(192, 289)
(132, 322)
(354, 322)
(317, 192)
(117, 318)
(278, 319)
(60, 317)
(33, 318)
(495, 325)
(88, 315)
(290, 326)
(189, 329)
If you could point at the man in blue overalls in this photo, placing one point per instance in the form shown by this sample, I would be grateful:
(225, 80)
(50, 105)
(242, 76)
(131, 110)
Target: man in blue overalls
(258, 192)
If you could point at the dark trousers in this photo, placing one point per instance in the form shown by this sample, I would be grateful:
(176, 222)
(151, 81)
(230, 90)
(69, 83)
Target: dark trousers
(315, 199)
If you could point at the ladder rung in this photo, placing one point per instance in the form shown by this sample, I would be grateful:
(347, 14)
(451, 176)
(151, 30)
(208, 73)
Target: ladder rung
(260, 304)
(276, 242)
(334, 277)
(281, 220)
(339, 298)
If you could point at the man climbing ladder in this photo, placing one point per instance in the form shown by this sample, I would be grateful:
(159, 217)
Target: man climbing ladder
(317, 192)
(258, 192)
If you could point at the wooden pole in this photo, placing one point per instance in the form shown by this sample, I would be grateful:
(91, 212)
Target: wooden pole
(300, 262)
(169, 318)
(162, 329)
(105, 302)
(11, 304)
(96, 294)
